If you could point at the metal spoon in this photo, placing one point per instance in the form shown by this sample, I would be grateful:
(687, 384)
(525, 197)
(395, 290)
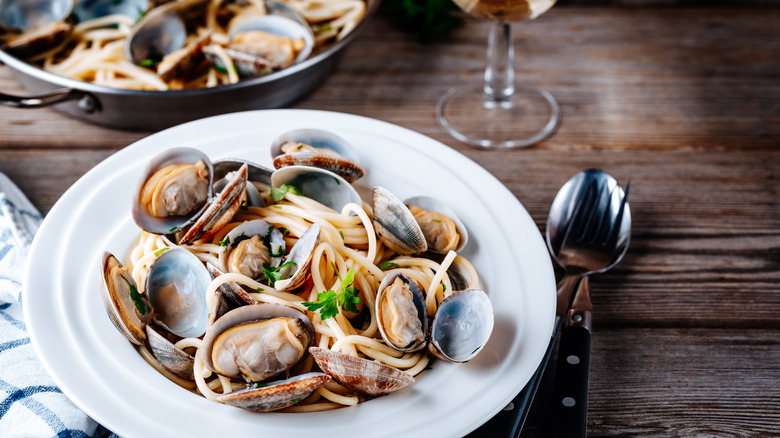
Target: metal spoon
(607, 228)
(573, 238)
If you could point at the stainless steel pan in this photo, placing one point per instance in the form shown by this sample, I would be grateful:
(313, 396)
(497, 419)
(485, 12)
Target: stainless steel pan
(155, 110)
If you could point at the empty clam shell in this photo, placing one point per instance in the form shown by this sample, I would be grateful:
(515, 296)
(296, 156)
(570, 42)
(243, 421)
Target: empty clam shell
(442, 228)
(276, 395)
(401, 313)
(462, 326)
(176, 285)
(361, 375)
(172, 358)
(323, 186)
(128, 310)
(300, 255)
(257, 175)
(317, 148)
(395, 225)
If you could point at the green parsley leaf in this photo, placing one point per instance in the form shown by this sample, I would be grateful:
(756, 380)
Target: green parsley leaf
(259, 289)
(160, 251)
(273, 275)
(135, 296)
(328, 302)
(173, 230)
(239, 239)
(337, 181)
(341, 233)
(225, 243)
(388, 265)
(278, 194)
(260, 385)
(284, 231)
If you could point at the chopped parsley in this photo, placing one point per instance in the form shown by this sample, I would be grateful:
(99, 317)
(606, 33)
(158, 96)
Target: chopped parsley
(273, 275)
(135, 296)
(160, 251)
(328, 302)
(260, 385)
(239, 239)
(152, 60)
(173, 230)
(388, 265)
(225, 243)
(341, 233)
(259, 289)
(278, 194)
(337, 181)
(284, 231)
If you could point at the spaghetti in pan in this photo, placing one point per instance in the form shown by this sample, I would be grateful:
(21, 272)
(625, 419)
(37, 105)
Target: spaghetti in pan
(271, 290)
(179, 45)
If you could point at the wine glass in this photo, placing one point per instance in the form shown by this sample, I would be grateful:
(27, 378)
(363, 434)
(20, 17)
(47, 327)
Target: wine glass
(498, 111)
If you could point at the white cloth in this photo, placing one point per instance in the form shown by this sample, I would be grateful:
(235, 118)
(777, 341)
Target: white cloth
(31, 405)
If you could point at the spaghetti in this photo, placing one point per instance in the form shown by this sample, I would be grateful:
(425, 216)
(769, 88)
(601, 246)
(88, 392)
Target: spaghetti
(348, 244)
(95, 50)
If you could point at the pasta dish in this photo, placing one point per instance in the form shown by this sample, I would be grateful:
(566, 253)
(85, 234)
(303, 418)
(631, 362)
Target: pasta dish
(305, 307)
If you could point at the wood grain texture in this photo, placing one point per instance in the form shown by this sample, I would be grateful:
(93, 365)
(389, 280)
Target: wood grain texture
(684, 102)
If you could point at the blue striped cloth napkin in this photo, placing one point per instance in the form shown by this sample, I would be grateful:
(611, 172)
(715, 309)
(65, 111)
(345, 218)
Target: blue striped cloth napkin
(31, 405)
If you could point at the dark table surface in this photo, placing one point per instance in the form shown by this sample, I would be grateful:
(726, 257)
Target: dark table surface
(684, 100)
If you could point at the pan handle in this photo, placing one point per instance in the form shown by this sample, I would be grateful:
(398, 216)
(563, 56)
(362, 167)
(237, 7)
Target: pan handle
(87, 102)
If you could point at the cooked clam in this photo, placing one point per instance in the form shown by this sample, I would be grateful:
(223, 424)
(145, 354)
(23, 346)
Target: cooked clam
(251, 247)
(297, 266)
(401, 313)
(361, 375)
(275, 395)
(257, 342)
(317, 148)
(128, 310)
(173, 190)
(462, 326)
(176, 285)
(440, 225)
(395, 225)
(35, 26)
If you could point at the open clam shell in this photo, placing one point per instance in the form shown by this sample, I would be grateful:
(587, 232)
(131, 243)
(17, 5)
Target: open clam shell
(173, 359)
(220, 210)
(176, 285)
(224, 171)
(328, 151)
(250, 263)
(395, 225)
(257, 342)
(361, 375)
(128, 310)
(401, 313)
(462, 326)
(244, 39)
(322, 185)
(91, 9)
(228, 296)
(169, 224)
(301, 256)
(275, 395)
(436, 229)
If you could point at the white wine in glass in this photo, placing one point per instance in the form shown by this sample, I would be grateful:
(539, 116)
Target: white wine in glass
(498, 111)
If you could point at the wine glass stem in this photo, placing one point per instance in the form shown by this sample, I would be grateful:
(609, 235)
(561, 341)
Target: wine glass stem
(500, 74)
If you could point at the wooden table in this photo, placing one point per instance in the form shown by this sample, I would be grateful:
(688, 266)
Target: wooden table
(684, 102)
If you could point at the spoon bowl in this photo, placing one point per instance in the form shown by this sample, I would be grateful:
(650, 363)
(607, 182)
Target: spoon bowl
(588, 228)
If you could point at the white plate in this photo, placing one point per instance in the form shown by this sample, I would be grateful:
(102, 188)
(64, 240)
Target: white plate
(101, 372)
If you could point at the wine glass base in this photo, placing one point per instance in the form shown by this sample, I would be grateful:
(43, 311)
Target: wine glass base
(529, 116)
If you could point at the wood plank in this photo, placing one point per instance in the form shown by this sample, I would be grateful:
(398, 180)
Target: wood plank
(627, 78)
(675, 383)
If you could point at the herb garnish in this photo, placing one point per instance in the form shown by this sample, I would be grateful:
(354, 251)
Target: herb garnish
(388, 265)
(225, 243)
(160, 251)
(284, 231)
(152, 60)
(173, 230)
(341, 233)
(239, 239)
(278, 194)
(267, 243)
(260, 385)
(328, 302)
(273, 275)
(135, 296)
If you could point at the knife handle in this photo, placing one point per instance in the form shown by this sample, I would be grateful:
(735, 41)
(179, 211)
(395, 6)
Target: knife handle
(571, 382)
